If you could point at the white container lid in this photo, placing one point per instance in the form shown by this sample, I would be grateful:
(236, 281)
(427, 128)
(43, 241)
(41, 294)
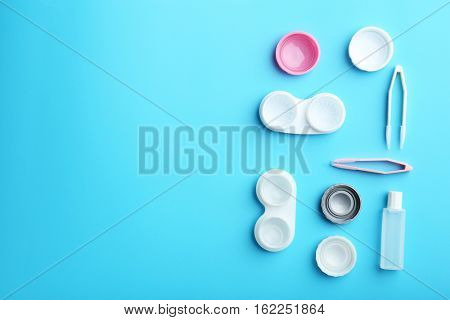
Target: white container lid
(325, 113)
(371, 49)
(278, 109)
(395, 200)
(336, 256)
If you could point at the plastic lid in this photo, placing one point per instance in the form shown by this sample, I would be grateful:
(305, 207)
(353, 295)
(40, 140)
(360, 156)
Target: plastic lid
(336, 256)
(297, 53)
(395, 200)
(325, 113)
(278, 109)
(371, 49)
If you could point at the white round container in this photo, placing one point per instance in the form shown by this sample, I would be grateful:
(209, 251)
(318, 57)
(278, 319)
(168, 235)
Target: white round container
(336, 256)
(371, 49)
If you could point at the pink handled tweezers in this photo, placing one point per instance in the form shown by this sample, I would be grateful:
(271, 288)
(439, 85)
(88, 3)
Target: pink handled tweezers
(345, 163)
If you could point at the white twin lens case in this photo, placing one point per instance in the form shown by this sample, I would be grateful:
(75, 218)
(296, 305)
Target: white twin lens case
(281, 111)
(276, 190)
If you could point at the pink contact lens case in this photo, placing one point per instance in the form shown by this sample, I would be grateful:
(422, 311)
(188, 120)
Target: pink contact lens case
(297, 53)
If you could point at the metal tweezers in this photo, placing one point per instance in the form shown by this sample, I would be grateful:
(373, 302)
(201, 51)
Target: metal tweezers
(349, 164)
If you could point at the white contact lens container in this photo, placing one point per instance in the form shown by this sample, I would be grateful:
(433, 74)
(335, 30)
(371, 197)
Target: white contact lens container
(281, 111)
(275, 229)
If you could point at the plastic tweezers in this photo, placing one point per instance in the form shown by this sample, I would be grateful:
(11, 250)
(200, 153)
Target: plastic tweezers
(345, 163)
(398, 69)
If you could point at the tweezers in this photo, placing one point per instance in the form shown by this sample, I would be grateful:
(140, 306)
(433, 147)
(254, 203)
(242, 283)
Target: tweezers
(398, 69)
(345, 163)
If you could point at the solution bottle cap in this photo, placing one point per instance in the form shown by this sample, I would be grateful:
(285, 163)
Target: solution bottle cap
(395, 200)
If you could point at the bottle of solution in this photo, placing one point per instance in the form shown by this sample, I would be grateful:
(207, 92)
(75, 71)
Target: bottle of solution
(393, 233)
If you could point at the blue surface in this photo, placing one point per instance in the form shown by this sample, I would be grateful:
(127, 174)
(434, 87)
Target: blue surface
(69, 149)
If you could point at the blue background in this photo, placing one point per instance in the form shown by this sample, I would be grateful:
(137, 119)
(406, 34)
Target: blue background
(69, 139)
